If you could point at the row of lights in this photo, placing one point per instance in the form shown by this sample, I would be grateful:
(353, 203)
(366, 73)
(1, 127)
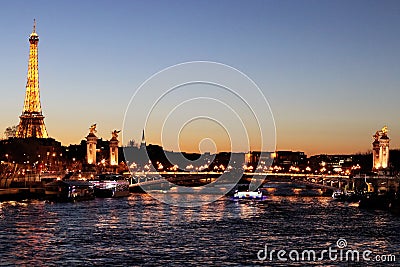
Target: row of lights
(275, 168)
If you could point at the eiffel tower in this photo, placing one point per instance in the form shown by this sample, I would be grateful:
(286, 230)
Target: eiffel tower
(32, 120)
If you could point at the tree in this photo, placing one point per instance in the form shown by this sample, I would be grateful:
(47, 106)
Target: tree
(11, 131)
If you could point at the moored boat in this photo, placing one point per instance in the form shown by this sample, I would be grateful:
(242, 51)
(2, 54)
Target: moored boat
(337, 195)
(69, 191)
(346, 196)
(252, 195)
(373, 200)
(394, 205)
(111, 185)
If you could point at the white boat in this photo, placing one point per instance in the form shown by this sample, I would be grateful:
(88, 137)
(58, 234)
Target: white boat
(337, 195)
(248, 195)
(111, 185)
(348, 196)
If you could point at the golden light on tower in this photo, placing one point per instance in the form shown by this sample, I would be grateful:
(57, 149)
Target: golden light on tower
(91, 145)
(114, 148)
(32, 120)
(380, 149)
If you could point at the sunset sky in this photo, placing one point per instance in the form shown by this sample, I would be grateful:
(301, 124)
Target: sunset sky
(330, 70)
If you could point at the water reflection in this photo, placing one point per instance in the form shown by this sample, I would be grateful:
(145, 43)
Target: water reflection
(140, 231)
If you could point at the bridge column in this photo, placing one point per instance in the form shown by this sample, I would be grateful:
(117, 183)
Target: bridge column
(339, 184)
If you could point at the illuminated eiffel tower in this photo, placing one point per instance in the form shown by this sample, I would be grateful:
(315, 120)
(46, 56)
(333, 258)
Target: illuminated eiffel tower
(32, 120)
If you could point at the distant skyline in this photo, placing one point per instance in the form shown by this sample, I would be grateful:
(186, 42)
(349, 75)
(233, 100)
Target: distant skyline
(329, 69)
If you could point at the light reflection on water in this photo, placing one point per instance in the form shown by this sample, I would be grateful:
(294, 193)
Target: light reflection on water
(140, 231)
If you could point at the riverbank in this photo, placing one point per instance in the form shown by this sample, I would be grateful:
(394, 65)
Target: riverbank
(21, 193)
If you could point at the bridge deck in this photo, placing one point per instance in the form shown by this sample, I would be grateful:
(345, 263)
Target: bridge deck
(155, 178)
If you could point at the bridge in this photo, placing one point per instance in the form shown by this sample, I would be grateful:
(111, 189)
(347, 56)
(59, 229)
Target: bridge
(161, 179)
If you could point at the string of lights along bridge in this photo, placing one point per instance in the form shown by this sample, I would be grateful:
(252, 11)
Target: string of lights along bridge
(32, 120)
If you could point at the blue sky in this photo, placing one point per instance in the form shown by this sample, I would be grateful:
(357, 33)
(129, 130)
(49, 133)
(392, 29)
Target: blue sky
(330, 69)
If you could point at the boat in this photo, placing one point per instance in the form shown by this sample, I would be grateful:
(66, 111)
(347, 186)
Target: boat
(337, 195)
(69, 191)
(252, 195)
(347, 196)
(374, 200)
(111, 185)
(394, 205)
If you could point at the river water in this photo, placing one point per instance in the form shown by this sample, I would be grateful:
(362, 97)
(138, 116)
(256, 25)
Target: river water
(140, 231)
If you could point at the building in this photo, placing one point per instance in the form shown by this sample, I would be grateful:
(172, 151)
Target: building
(45, 154)
(288, 159)
(258, 160)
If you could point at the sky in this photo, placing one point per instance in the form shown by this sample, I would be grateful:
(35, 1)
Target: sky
(329, 70)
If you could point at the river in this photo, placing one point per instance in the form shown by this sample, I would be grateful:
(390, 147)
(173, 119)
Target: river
(140, 231)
